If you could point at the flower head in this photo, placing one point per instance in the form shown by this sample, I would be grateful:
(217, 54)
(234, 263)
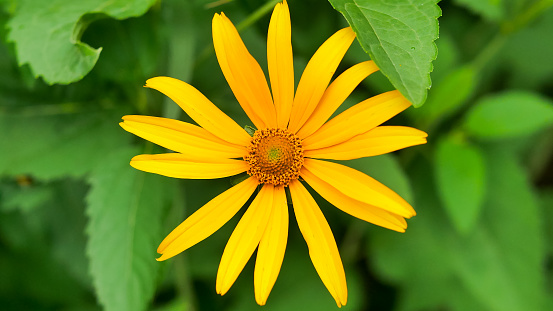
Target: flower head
(292, 137)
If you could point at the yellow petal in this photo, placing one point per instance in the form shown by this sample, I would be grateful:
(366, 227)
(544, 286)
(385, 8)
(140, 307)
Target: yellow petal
(189, 139)
(335, 95)
(243, 73)
(206, 220)
(380, 140)
(359, 186)
(317, 75)
(353, 207)
(279, 59)
(271, 248)
(200, 109)
(177, 165)
(320, 241)
(244, 239)
(358, 119)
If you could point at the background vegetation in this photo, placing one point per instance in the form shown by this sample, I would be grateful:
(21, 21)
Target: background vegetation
(79, 226)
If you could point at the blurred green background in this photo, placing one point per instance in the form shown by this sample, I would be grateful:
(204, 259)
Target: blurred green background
(79, 227)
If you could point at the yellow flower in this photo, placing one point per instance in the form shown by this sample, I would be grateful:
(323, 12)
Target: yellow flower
(292, 135)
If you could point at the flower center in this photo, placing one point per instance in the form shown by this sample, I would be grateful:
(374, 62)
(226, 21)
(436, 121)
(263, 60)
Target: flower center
(275, 156)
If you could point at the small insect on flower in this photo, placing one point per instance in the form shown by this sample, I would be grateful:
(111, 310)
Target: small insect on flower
(292, 137)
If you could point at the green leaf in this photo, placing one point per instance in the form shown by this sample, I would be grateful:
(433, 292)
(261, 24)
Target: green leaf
(55, 28)
(498, 266)
(502, 264)
(461, 178)
(48, 147)
(125, 209)
(509, 114)
(399, 36)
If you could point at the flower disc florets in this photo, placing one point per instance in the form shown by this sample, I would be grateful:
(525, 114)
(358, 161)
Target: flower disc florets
(275, 156)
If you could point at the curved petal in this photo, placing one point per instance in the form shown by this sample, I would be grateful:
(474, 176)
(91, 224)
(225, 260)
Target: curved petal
(335, 95)
(243, 73)
(320, 241)
(200, 109)
(280, 62)
(353, 207)
(317, 75)
(188, 139)
(271, 248)
(206, 220)
(359, 186)
(177, 165)
(358, 119)
(380, 140)
(244, 239)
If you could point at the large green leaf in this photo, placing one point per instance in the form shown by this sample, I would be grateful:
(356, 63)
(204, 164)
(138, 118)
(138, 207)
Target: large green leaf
(460, 174)
(60, 145)
(399, 36)
(509, 114)
(47, 34)
(499, 264)
(125, 209)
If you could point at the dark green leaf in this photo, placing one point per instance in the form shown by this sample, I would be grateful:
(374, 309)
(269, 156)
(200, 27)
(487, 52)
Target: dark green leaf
(399, 36)
(55, 27)
(461, 178)
(509, 114)
(49, 147)
(125, 212)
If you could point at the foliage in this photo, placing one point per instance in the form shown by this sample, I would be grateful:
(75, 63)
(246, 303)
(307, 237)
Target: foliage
(79, 227)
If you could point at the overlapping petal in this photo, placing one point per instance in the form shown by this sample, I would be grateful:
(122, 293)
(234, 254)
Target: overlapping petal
(188, 139)
(380, 140)
(317, 75)
(200, 109)
(353, 207)
(320, 241)
(243, 73)
(358, 119)
(359, 186)
(245, 238)
(178, 165)
(270, 252)
(335, 95)
(206, 220)
(280, 62)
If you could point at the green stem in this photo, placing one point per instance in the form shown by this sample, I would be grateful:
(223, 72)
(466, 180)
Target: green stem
(489, 51)
(251, 19)
(255, 16)
(527, 16)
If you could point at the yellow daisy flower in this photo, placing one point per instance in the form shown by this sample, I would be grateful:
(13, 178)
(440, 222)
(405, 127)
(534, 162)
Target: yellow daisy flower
(292, 136)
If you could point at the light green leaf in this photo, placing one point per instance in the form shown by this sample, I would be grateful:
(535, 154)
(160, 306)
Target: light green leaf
(461, 178)
(48, 147)
(399, 36)
(502, 264)
(509, 114)
(47, 34)
(125, 209)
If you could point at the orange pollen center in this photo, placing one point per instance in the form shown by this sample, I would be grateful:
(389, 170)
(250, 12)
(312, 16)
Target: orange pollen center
(275, 156)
